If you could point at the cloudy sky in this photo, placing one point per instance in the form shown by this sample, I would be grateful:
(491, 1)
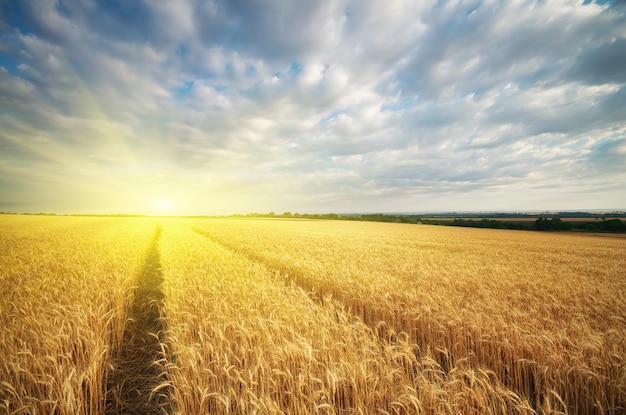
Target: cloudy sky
(220, 107)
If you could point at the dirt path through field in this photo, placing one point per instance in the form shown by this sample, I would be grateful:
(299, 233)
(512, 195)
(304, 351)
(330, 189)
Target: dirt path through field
(134, 384)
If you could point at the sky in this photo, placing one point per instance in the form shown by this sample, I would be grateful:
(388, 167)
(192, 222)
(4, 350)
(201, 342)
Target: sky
(195, 107)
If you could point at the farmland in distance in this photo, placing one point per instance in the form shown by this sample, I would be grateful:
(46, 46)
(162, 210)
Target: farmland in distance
(304, 316)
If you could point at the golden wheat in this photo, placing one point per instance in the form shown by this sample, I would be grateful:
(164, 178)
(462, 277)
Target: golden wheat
(542, 314)
(310, 317)
(245, 340)
(65, 292)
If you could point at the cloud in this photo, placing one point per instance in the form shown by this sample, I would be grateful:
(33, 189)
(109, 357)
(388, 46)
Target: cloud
(609, 156)
(330, 105)
(604, 64)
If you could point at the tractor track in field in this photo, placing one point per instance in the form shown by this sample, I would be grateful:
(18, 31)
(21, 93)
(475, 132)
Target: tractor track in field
(137, 383)
(292, 274)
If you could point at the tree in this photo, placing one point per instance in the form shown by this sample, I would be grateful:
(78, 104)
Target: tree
(542, 224)
(614, 225)
(556, 224)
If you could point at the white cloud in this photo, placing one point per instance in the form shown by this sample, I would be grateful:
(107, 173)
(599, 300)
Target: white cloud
(332, 105)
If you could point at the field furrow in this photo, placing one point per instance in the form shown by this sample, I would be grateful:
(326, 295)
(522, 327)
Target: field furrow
(138, 382)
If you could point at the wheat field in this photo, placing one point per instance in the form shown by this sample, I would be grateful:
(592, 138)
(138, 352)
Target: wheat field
(242, 316)
(65, 291)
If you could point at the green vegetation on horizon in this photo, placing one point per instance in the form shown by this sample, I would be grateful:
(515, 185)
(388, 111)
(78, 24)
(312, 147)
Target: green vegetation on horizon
(598, 222)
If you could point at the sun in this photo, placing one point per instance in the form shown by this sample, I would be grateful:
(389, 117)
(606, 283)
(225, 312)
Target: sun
(164, 205)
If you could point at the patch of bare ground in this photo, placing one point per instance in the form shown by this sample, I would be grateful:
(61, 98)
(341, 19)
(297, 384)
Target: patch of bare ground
(138, 381)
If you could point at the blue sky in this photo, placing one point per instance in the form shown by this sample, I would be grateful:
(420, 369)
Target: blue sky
(223, 107)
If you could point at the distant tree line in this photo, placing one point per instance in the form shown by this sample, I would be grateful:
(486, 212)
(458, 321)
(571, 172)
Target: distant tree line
(542, 223)
(545, 224)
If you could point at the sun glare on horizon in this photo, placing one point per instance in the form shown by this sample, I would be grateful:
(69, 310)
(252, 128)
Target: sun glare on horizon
(164, 205)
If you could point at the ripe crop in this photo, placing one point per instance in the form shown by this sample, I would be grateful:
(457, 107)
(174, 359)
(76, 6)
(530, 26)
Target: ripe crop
(245, 340)
(229, 316)
(65, 290)
(543, 314)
